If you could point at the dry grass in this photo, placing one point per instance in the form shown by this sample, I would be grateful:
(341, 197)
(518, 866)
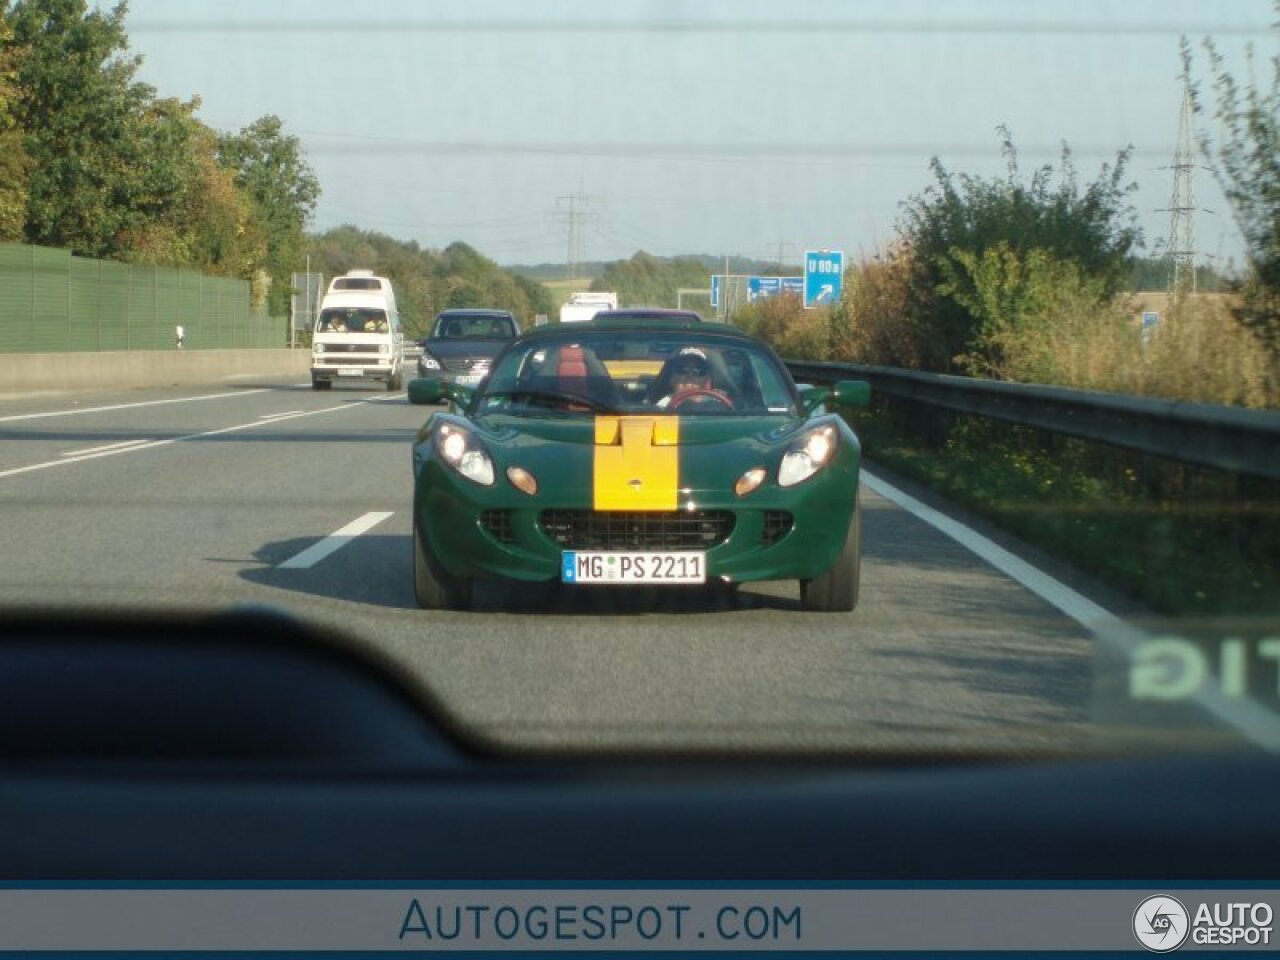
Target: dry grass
(1197, 352)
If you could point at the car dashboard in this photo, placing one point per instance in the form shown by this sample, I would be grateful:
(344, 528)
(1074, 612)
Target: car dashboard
(252, 747)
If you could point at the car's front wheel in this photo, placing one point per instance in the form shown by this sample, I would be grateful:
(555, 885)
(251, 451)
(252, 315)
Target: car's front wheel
(434, 587)
(836, 590)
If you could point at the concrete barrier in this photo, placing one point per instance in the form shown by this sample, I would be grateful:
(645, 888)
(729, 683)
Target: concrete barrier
(25, 372)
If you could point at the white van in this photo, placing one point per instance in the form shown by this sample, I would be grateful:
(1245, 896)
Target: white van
(357, 335)
(585, 304)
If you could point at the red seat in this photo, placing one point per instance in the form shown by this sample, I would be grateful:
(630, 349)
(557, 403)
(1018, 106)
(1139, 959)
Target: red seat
(572, 363)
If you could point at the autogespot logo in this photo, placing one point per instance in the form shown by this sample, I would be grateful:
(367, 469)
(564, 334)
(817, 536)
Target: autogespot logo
(1161, 923)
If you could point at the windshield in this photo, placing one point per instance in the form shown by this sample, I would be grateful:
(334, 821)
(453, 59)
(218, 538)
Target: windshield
(982, 400)
(473, 328)
(352, 320)
(663, 372)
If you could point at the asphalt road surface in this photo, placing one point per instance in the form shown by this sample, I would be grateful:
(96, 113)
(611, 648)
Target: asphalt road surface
(209, 498)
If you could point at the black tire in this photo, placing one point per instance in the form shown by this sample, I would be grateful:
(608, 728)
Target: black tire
(433, 588)
(321, 384)
(836, 591)
(393, 383)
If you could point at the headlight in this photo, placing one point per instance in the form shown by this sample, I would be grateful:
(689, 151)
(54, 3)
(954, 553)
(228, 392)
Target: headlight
(809, 455)
(428, 362)
(462, 451)
(319, 348)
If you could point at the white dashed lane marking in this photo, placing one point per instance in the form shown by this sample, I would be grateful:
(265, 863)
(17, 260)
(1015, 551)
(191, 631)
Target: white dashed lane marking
(334, 542)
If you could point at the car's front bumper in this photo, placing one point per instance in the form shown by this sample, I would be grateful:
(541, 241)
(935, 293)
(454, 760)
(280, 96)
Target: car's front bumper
(370, 370)
(497, 531)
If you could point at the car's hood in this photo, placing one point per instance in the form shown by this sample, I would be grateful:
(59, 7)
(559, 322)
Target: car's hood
(662, 430)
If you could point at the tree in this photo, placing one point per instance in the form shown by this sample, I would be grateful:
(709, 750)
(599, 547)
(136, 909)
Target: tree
(953, 224)
(15, 165)
(1246, 164)
(283, 190)
(78, 105)
(194, 214)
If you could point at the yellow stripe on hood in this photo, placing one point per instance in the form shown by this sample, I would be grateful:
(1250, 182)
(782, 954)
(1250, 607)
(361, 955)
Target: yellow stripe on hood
(637, 463)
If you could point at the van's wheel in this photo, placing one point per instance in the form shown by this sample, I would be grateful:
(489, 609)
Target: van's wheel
(434, 588)
(393, 383)
(321, 384)
(836, 590)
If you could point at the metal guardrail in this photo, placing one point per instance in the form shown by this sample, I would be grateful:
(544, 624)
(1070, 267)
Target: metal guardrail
(1225, 438)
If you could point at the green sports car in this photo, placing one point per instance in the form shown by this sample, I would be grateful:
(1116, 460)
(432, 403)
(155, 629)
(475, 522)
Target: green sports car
(616, 453)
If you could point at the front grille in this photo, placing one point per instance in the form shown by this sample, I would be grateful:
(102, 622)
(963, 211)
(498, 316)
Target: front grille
(497, 523)
(351, 361)
(777, 524)
(637, 530)
(466, 364)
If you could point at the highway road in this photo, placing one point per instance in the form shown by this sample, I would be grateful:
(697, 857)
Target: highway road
(208, 498)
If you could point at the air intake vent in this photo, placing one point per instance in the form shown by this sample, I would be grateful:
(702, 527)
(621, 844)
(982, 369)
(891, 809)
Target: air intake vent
(637, 530)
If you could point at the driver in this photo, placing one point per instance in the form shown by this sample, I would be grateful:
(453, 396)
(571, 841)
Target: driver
(688, 375)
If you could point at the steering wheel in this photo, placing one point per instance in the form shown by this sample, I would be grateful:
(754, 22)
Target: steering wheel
(701, 393)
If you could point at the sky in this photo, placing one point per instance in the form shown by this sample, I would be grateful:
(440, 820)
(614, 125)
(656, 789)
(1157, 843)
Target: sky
(728, 127)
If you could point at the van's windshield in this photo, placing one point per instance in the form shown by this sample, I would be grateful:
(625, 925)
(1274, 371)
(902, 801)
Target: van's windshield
(352, 320)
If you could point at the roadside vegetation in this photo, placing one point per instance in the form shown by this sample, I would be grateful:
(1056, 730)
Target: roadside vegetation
(94, 161)
(1245, 160)
(1028, 279)
(98, 163)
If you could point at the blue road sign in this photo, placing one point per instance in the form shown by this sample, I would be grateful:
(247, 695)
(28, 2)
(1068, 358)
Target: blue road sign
(758, 287)
(715, 289)
(823, 277)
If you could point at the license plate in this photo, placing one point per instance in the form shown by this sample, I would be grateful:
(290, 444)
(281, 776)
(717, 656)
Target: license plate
(469, 379)
(584, 566)
(350, 373)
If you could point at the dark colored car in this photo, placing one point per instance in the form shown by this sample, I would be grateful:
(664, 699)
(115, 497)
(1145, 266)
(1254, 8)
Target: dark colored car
(464, 342)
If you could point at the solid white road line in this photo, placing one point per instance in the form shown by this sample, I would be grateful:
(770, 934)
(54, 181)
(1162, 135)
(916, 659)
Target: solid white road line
(109, 446)
(283, 413)
(131, 406)
(1253, 720)
(334, 542)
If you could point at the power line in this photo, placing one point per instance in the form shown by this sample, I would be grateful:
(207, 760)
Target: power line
(768, 27)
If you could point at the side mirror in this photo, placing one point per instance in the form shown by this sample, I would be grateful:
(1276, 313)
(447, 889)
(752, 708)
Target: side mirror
(851, 393)
(425, 390)
(812, 397)
(459, 394)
